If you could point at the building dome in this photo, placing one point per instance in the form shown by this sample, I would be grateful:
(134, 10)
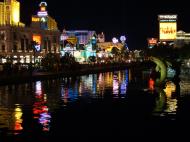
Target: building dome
(180, 32)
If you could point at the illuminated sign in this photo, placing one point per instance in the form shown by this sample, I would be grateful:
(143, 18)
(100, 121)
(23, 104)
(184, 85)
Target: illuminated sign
(43, 8)
(43, 19)
(72, 40)
(63, 37)
(42, 13)
(167, 17)
(37, 47)
(152, 41)
(35, 19)
(168, 31)
(37, 39)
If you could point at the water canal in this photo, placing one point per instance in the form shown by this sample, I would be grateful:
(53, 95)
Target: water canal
(119, 103)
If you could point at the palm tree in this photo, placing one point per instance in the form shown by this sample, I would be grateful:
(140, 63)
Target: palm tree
(50, 61)
(68, 61)
(115, 51)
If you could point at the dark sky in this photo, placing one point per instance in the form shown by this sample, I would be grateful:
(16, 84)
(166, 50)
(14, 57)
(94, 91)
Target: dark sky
(137, 19)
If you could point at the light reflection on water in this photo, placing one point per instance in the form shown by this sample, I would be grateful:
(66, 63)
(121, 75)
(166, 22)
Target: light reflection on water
(40, 108)
(166, 102)
(18, 118)
(42, 98)
(171, 101)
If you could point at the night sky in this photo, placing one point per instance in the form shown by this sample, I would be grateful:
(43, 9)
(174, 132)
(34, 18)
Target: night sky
(137, 19)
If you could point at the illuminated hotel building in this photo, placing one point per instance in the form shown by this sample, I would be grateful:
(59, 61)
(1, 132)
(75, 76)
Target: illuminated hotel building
(101, 37)
(83, 36)
(182, 38)
(10, 13)
(43, 20)
(16, 40)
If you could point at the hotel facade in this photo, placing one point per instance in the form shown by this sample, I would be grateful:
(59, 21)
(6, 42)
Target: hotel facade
(23, 44)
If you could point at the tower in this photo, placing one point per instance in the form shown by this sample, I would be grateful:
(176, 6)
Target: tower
(42, 20)
(43, 15)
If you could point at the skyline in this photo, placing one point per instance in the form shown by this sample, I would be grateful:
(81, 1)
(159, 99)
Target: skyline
(135, 19)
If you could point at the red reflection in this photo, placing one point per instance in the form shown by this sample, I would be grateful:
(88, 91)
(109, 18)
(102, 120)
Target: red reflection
(18, 119)
(18, 126)
(40, 108)
(151, 84)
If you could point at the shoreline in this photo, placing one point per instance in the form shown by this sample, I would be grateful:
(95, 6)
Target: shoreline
(15, 78)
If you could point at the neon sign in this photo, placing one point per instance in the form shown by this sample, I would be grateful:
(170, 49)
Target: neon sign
(42, 13)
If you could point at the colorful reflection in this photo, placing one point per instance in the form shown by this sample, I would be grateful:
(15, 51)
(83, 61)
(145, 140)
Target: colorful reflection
(40, 108)
(64, 95)
(166, 103)
(151, 84)
(11, 118)
(124, 84)
(69, 90)
(160, 102)
(95, 85)
(46, 95)
(18, 119)
(115, 85)
(171, 103)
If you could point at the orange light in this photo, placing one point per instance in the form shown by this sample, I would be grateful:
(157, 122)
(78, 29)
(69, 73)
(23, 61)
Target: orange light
(37, 38)
(152, 41)
(43, 8)
(35, 19)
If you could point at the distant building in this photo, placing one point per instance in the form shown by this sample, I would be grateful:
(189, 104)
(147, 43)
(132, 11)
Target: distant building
(182, 38)
(107, 46)
(83, 36)
(42, 20)
(10, 13)
(101, 37)
(19, 42)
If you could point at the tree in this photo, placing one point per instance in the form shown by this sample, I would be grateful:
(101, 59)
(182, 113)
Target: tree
(92, 59)
(115, 52)
(68, 62)
(50, 61)
(124, 52)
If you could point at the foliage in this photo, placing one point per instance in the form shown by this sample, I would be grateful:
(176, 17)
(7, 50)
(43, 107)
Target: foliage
(68, 62)
(50, 61)
(115, 51)
(169, 52)
(92, 59)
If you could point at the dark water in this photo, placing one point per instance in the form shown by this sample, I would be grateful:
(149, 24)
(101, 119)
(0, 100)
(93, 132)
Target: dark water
(119, 104)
